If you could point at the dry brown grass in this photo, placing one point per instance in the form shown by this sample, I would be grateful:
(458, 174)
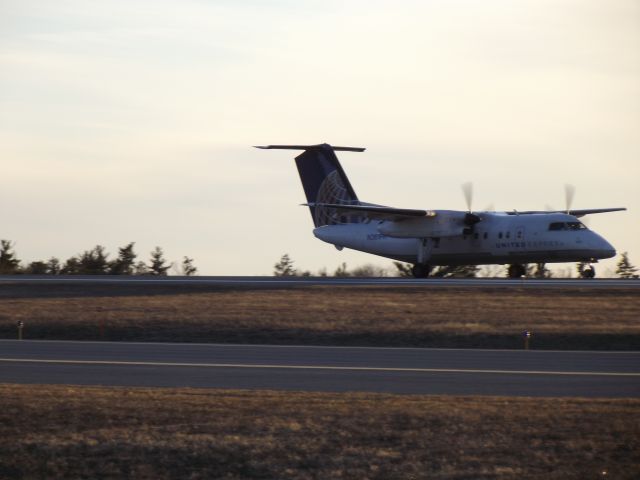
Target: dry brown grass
(90, 432)
(574, 318)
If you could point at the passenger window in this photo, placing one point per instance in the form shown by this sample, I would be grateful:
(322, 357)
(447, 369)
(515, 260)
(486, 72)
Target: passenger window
(500, 235)
(508, 235)
(486, 235)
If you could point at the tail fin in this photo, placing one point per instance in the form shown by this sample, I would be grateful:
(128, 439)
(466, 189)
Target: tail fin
(324, 181)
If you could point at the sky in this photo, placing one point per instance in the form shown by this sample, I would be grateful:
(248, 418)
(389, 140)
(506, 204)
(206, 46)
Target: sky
(134, 120)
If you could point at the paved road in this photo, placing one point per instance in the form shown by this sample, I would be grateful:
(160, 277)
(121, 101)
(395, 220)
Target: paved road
(337, 369)
(315, 281)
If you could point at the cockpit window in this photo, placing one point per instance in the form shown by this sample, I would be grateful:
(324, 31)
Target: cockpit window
(567, 226)
(576, 226)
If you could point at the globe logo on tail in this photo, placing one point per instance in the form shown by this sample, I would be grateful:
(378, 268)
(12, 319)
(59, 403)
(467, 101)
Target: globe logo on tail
(332, 190)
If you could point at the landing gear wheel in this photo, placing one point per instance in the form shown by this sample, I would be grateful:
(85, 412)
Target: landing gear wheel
(588, 272)
(420, 271)
(516, 271)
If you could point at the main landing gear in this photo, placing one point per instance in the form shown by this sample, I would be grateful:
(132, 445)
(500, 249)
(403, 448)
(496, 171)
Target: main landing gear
(420, 271)
(516, 270)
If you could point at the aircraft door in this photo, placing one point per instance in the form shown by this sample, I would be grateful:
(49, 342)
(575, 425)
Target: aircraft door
(520, 233)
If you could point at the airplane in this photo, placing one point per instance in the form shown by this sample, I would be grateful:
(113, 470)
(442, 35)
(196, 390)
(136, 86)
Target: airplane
(428, 238)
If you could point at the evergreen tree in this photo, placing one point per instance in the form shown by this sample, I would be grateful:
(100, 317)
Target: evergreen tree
(140, 268)
(125, 263)
(188, 268)
(71, 267)
(158, 264)
(624, 267)
(53, 266)
(9, 264)
(94, 261)
(284, 268)
(36, 268)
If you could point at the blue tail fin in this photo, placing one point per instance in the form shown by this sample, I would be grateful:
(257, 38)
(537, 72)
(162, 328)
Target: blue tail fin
(324, 181)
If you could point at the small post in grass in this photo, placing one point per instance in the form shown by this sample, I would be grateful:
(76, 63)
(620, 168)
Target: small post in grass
(20, 325)
(526, 335)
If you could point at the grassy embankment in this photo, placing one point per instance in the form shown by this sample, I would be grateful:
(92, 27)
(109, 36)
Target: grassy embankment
(436, 317)
(89, 432)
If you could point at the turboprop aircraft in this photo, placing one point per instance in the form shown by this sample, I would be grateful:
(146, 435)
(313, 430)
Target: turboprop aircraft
(427, 238)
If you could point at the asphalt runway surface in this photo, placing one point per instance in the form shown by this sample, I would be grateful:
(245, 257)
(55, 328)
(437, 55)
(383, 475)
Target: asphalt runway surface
(274, 282)
(330, 369)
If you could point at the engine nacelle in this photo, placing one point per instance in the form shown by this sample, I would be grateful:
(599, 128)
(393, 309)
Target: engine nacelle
(445, 223)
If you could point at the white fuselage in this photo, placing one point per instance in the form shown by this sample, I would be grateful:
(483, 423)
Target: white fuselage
(499, 238)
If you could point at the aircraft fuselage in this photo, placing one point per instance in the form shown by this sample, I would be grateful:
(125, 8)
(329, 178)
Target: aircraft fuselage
(498, 239)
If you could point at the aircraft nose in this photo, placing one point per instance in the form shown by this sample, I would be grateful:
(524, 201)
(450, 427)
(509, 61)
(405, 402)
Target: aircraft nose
(604, 248)
(608, 250)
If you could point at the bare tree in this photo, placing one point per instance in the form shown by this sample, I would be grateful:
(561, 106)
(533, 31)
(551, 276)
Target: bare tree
(369, 270)
(541, 271)
(342, 271)
(457, 271)
(403, 269)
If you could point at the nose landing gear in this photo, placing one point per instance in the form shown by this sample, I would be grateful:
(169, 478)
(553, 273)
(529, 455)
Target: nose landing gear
(588, 271)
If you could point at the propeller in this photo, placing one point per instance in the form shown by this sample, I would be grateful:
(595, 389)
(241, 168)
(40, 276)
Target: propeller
(467, 189)
(470, 218)
(569, 193)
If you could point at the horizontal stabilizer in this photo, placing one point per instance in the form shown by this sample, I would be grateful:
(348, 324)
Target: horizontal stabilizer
(310, 147)
(575, 213)
(379, 212)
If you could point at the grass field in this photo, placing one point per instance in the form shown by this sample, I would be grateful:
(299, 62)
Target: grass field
(436, 317)
(58, 432)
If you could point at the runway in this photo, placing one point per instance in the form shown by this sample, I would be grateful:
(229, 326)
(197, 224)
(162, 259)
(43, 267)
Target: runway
(284, 282)
(331, 369)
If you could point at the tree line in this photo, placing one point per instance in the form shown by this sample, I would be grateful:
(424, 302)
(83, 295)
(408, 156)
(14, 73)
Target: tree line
(285, 267)
(93, 262)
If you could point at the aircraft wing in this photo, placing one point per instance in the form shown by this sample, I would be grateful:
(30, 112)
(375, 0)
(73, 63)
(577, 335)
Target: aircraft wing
(376, 211)
(575, 213)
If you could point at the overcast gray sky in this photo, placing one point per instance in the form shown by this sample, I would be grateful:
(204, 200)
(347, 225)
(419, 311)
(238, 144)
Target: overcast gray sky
(133, 120)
